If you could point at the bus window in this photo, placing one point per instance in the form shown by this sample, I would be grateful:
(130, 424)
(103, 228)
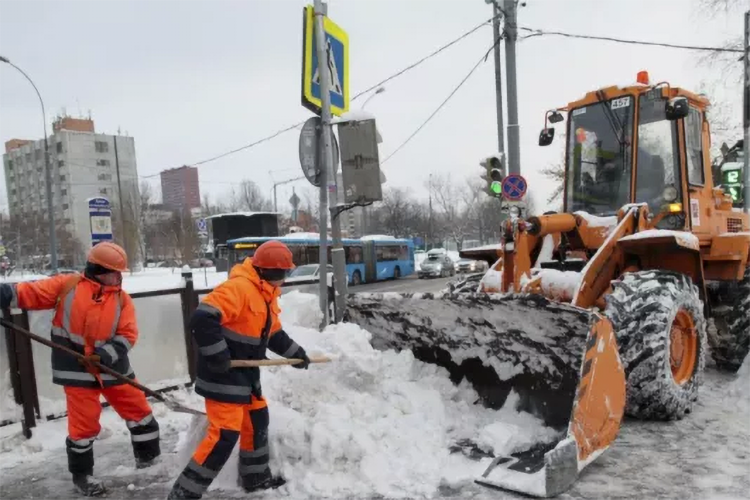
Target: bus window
(299, 255)
(353, 254)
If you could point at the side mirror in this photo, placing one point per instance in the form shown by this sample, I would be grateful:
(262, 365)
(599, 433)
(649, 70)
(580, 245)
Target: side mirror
(677, 108)
(546, 136)
(555, 117)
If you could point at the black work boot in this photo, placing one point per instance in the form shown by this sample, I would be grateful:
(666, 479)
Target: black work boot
(262, 481)
(89, 486)
(180, 493)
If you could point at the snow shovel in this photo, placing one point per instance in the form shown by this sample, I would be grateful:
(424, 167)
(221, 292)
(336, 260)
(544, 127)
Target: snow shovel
(171, 403)
(252, 363)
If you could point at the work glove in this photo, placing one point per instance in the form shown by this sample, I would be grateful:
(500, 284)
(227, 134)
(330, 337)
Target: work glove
(6, 295)
(88, 362)
(301, 354)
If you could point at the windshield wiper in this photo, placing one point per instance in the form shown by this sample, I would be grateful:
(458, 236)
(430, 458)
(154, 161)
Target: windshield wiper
(612, 119)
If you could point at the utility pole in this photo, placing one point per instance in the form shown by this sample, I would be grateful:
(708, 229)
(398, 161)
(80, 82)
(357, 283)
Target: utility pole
(498, 77)
(328, 182)
(746, 115)
(430, 219)
(511, 35)
(122, 209)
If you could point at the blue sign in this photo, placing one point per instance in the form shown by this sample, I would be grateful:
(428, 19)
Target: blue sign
(337, 53)
(514, 187)
(100, 220)
(201, 223)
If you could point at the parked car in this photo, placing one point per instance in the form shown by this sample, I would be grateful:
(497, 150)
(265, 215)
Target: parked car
(306, 274)
(438, 264)
(470, 266)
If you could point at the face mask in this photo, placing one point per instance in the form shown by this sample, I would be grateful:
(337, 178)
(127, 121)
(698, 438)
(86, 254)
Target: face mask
(110, 279)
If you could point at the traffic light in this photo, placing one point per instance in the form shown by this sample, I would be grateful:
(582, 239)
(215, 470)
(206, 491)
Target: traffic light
(731, 177)
(493, 175)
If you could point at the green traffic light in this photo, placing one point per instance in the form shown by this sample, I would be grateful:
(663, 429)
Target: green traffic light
(496, 187)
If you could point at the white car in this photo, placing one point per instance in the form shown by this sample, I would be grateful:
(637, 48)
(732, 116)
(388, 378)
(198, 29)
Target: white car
(306, 274)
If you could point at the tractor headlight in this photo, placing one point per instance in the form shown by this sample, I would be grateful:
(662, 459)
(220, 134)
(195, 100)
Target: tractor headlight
(670, 194)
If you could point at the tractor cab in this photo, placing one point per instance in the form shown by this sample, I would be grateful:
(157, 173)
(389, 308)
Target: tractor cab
(637, 144)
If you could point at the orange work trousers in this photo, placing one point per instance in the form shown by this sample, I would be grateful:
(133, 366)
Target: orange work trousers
(228, 422)
(84, 408)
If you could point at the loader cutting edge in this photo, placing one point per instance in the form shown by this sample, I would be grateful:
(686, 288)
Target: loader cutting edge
(561, 360)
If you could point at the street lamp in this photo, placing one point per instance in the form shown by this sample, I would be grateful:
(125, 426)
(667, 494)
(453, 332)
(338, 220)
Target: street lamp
(48, 172)
(380, 90)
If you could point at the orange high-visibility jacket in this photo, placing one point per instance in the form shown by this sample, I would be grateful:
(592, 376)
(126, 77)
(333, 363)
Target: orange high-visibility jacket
(90, 319)
(229, 324)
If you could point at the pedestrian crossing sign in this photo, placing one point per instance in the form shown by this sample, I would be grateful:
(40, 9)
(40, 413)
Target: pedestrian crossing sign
(337, 50)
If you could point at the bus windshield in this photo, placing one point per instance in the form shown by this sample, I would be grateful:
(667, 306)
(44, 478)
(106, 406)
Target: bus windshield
(599, 157)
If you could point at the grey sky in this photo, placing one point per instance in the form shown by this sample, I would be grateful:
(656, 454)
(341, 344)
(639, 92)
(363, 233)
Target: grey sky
(192, 79)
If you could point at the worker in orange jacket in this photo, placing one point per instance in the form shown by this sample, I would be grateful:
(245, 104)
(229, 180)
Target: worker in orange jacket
(95, 317)
(238, 320)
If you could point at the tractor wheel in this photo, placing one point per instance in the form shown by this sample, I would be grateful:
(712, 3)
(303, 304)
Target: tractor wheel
(730, 342)
(661, 333)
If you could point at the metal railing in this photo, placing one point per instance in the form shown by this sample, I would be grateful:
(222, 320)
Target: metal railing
(21, 361)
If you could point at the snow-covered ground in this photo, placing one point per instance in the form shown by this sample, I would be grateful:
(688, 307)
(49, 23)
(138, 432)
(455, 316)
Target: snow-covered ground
(375, 424)
(369, 423)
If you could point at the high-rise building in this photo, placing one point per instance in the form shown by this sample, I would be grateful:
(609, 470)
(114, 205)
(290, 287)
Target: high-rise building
(180, 189)
(84, 164)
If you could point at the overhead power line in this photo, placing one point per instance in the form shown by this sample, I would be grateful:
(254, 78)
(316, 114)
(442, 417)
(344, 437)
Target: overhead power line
(537, 32)
(442, 104)
(356, 96)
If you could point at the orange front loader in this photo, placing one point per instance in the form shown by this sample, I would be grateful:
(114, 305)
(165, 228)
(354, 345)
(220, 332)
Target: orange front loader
(600, 310)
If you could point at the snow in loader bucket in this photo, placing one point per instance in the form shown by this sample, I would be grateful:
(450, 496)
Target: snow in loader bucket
(561, 360)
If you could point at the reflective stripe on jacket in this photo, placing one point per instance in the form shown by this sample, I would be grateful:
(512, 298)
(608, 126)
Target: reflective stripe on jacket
(89, 319)
(229, 325)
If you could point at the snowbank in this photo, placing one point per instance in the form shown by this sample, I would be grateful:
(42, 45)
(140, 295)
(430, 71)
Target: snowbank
(369, 424)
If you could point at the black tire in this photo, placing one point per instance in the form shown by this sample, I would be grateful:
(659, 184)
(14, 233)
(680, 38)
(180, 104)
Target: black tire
(643, 307)
(396, 273)
(730, 342)
(356, 278)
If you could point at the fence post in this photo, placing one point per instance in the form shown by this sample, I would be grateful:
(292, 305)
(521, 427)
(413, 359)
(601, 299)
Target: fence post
(22, 373)
(189, 301)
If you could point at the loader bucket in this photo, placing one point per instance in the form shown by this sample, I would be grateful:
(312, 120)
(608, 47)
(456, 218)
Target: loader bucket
(561, 360)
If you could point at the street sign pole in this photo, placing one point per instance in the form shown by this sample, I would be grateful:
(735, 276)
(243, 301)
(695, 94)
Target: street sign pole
(328, 182)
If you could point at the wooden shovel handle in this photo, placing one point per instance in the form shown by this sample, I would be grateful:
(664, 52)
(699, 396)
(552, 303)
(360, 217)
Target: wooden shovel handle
(252, 363)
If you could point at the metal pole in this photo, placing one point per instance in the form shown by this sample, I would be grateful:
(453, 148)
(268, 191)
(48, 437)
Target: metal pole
(275, 204)
(498, 78)
(430, 220)
(337, 253)
(47, 173)
(511, 34)
(746, 115)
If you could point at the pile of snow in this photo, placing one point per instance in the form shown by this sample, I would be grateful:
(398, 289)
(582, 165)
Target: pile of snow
(561, 285)
(368, 424)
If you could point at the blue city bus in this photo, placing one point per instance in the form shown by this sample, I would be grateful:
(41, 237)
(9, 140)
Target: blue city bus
(367, 259)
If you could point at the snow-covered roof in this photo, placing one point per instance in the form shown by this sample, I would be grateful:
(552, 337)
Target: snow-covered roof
(353, 116)
(241, 214)
(373, 237)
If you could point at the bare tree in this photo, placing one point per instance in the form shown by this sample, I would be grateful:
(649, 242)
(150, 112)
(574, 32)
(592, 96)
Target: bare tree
(457, 203)
(248, 196)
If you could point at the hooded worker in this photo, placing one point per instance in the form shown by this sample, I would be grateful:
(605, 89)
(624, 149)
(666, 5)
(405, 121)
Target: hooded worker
(96, 318)
(238, 320)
